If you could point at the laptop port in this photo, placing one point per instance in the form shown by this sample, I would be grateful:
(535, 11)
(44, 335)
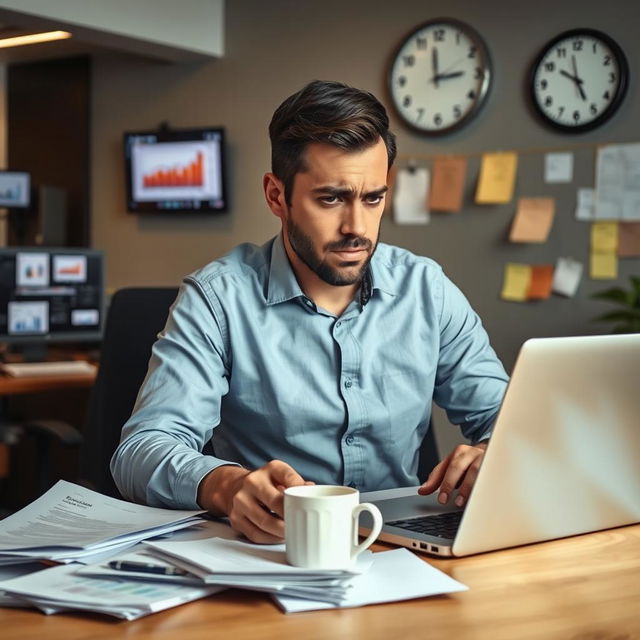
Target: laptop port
(435, 549)
(424, 545)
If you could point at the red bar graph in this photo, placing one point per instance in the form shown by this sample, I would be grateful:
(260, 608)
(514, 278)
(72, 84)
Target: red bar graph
(191, 175)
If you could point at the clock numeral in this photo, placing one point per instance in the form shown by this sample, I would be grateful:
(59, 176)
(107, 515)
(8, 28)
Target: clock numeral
(421, 42)
(548, 101)
(577, 45)
(439, 34)
(562, 52)
(472, 52)
(437, 119)
(560, 111)
(607, 61)
(407, 101)
(576, 116)
(457, 37)
(544, 84)
(409, 61)
(420, 112)
(471, 95)
(550, 66)
(402, 80)
(612, 77)
(593, 109)
(594, 47)
(479, 74)
(607, 95)
(457, 111)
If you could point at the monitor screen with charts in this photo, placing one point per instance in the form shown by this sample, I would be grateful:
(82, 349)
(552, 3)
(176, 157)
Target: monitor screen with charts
(50, 295)
(15, 189)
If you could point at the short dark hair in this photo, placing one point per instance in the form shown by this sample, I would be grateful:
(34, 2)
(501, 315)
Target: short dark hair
(328, 112)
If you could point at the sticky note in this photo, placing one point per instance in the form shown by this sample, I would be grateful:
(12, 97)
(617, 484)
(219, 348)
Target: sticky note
(604, 237)
(540, 283)
(517, 278)
(533, 220)
(566, 276)
(497, 178)
(628, 239)
(558, 167)
(604, 266)
(410, 194)
(447, 183)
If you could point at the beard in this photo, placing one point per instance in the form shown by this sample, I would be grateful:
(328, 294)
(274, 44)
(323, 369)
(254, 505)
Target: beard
(342, 276)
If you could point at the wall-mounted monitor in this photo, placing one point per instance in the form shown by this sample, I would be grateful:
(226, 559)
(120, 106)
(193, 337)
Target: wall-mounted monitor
(175, 170)
(15, 190)
(50, 295)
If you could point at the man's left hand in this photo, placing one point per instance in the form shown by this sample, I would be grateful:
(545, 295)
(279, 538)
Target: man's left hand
(458, 469)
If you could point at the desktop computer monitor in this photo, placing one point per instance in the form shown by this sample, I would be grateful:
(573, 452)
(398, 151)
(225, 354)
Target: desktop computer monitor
(50, 295)
(15, 189)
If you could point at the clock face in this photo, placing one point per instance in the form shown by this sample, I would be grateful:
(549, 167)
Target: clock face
(579, 80)
(440, 76)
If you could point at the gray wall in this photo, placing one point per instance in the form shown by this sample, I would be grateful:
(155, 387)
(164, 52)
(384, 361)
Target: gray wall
(272, 49)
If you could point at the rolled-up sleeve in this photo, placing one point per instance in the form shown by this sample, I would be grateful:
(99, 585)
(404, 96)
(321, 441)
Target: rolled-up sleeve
(159, 461)
(470, 380)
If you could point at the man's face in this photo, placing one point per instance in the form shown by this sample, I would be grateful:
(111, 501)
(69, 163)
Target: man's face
(333, 220)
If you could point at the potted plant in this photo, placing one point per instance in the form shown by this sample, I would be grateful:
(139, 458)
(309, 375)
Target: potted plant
(626, 318)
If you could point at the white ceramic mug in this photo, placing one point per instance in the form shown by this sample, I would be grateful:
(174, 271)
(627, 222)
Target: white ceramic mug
(321, 526)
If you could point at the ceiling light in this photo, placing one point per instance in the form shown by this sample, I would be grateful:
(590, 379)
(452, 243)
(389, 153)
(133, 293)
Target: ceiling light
(34, 38)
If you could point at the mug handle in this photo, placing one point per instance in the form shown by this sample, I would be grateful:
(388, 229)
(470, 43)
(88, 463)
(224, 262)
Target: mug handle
(375, 530)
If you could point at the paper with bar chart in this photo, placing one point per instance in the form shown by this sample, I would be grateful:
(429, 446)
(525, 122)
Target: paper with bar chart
(176, 171)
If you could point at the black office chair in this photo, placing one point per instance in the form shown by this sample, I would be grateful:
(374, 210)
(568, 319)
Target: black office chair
(428, 457)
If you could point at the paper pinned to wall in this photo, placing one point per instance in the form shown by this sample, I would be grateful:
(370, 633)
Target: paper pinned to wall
(497, 178)
(586, 204)
(410, 196)
(533, 220)
(517, 278)
(558, 167)
(567, 276)
(540, 283)
(604, 237)
(447, 184)
(618, 182)
(604, 266)
(629, 239)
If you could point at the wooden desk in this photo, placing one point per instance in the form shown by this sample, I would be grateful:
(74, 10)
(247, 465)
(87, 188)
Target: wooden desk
(581, 588)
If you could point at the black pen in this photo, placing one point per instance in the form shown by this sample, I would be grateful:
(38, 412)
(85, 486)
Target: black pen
(145, 567)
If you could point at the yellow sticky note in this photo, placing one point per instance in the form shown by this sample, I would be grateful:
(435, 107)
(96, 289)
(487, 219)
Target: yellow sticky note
(604, 237)
(497, 178)
(533, 220)
(517, 278)
(604, 266)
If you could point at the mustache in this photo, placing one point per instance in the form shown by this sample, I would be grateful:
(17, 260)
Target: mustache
(350, 243)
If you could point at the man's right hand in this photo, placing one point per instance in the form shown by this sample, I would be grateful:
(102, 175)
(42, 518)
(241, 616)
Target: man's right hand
(253, 500)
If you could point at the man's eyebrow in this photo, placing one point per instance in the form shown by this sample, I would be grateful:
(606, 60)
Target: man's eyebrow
(347, 192)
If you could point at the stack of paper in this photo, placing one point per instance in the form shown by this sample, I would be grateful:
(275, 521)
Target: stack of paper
(70, 523)
(234, 563)
(61, 589)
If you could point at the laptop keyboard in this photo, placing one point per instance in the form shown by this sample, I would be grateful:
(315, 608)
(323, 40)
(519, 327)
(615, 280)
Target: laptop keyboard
(442, 525)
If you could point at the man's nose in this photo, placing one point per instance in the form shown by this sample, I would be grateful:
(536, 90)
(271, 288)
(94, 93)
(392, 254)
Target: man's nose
(353, 222)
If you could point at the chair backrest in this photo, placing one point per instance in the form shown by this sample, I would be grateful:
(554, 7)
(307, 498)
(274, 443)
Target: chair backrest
(136, 316)
(428, 456)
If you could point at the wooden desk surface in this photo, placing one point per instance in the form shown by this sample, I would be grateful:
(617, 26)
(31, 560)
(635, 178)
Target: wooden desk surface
(581, 588)
(10, 386)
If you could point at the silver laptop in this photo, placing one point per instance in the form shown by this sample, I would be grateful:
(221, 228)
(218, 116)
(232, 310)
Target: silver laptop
(564, 458)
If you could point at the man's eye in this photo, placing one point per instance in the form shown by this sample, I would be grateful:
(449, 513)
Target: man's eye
(329, 199)
(375, 199)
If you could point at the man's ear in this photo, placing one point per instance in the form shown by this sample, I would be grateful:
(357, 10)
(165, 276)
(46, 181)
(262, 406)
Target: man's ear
(274, 194)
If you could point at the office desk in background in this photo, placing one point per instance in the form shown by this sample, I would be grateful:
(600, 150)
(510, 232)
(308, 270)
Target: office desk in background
(581, 588)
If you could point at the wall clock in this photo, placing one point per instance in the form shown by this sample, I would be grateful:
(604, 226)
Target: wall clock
(579, 80)
(440, 76)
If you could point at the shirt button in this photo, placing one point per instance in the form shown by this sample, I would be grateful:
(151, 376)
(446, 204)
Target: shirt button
(348, 383)
(349, 440)
(338, 324)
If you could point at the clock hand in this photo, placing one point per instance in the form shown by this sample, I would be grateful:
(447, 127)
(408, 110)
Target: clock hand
(577, 79)
(434, 66)
(448, 76)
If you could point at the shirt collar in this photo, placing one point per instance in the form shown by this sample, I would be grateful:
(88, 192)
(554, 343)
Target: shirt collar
(380, 273)
(283, 284)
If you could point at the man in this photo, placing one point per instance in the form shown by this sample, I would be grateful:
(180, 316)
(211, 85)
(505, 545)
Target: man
(316, 357)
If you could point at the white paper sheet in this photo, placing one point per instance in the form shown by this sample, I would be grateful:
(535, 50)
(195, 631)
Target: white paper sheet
(394, 575)
(566, 276)
(558, 167)
(410, 196)
(586, 205)
(618, 182)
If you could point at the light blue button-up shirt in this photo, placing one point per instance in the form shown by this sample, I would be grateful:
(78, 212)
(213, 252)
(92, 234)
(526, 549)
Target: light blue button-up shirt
(251, 364)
